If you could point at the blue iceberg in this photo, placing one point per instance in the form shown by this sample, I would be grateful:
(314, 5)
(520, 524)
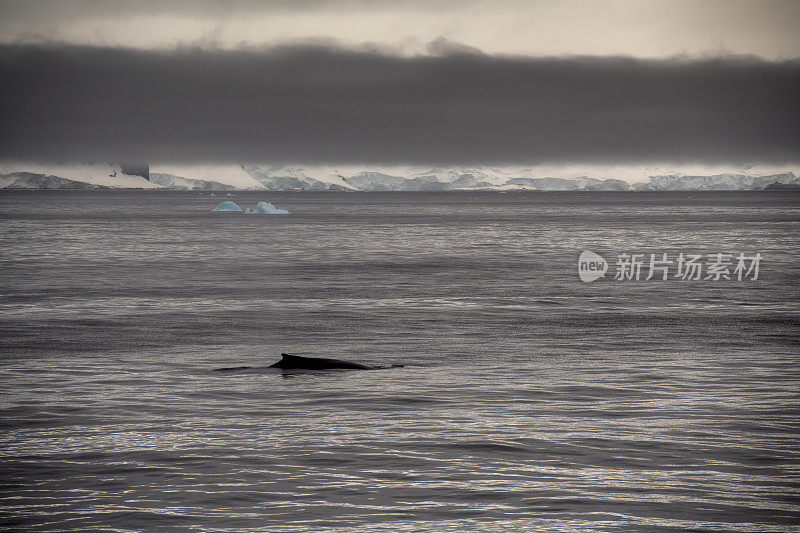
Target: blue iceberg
(227, 206)
(266, 208)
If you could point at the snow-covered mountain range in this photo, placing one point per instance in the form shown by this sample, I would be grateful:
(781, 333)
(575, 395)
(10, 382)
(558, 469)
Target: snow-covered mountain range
(384, 178)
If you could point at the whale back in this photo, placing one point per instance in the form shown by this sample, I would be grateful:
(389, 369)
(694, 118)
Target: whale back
(314, 363)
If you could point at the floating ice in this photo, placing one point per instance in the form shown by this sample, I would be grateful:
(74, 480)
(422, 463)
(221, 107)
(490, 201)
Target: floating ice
(266, 208)
(227, 206)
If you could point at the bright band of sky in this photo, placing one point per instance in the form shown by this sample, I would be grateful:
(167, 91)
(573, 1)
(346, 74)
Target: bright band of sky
(646, 28)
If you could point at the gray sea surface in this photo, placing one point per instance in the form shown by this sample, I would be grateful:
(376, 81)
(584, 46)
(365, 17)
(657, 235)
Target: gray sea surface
(530, 400)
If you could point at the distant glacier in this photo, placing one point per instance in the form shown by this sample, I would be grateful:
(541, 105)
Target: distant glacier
(387, 178)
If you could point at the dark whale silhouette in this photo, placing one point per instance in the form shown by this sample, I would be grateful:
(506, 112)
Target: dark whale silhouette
(231, 368)
(298, 362)
(315, 363)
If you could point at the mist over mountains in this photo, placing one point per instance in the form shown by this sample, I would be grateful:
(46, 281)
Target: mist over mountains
(321, 178)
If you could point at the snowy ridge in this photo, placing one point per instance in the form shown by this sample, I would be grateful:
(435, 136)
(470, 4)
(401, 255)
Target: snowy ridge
(719, 182)
(178, 183)
(381, 178)
(29, 180)
(231, 175)
(73, 175)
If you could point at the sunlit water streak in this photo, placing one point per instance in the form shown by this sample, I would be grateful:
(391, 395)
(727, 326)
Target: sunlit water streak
(530, 400)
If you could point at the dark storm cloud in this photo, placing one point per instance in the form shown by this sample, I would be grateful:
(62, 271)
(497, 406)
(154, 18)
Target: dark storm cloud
(321, 104)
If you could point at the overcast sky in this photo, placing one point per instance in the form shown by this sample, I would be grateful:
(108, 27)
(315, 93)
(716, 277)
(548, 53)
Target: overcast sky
(639, 28)
(402, 81)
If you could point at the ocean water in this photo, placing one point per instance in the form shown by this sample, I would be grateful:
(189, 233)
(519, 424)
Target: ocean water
(530, 400)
